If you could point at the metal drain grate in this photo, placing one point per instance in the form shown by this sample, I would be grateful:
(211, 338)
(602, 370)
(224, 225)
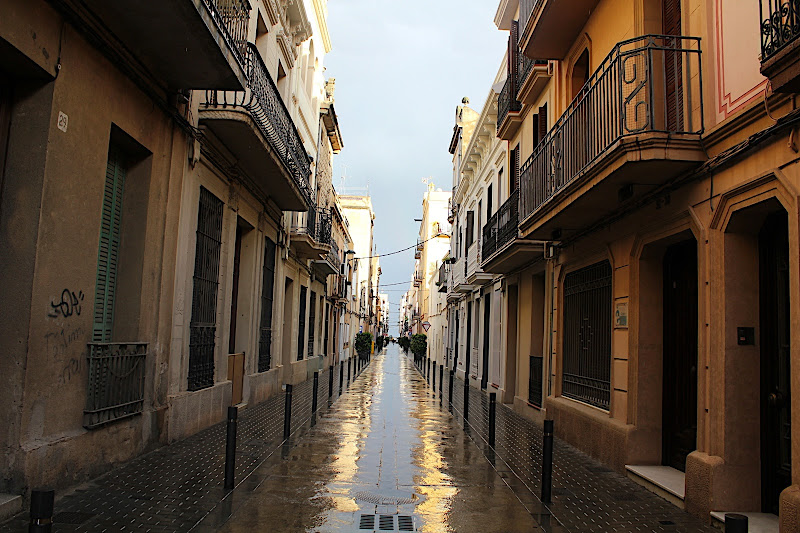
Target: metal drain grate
(386, 522)
(405, 523)
(367, 522)
(377, 499)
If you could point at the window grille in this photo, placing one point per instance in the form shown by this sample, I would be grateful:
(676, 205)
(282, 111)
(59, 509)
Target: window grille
(115, 388)
(203, 326)
(535, 381)
(301, 334)
(587, 335)
(312, 320)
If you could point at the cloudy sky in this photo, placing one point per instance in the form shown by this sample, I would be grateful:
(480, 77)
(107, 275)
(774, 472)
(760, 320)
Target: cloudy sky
(401, 68)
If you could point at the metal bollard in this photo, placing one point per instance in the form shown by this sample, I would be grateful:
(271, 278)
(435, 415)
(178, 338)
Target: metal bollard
(450, 391)
(41, 511)
(330, 381)
(287, 413)
(341, 376)
(736, 523)
(492, 416)
(230, 447)
(466, 399)
(547, 462)
(315, 393)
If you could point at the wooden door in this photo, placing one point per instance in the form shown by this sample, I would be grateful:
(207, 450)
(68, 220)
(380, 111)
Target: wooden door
(776, 443)
(679, 384)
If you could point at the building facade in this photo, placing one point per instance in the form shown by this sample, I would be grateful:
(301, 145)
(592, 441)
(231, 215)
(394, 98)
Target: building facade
(647, 239)
(169, 221)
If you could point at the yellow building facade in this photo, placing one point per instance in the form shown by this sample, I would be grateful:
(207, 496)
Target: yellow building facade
(650, 254)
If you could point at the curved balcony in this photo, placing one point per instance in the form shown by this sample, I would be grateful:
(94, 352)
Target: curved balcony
(780, 46)
(256, 127)
(503, 249)
(634, 125)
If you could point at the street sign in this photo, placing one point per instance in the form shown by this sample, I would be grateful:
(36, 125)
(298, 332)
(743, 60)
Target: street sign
(426, 325)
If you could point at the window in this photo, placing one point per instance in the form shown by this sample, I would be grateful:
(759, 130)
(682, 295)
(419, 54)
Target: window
(513, 177)
(587, 335)
(580, 73)
(470, 236)
(312, 323)
(267, 294)
(108, 249)
(489, 202)
(203, 325)
(301, 334)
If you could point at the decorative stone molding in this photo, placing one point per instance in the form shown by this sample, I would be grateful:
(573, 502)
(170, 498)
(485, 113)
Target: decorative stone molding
(287, 49)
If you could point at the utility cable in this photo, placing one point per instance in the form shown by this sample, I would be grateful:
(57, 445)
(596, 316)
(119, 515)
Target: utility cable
(404, 249)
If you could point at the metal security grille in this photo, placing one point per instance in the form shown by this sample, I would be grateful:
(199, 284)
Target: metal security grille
(535, 381)
(587, 335)
(203, 327)
(267, 291)
(301, 334)
(108, 248)
(115, 388)
(312, 323)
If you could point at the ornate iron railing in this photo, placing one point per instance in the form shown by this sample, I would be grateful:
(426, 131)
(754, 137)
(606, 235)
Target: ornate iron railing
(525, 67)
(232, 18)
(507, 101)
(442, 281)
(115, 389)
(333, 255)
(264, 103)
(644, 85)
(502, 226)
(526, 8)
(780, 25)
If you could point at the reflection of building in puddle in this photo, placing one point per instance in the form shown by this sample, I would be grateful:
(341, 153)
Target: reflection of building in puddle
(432, 480)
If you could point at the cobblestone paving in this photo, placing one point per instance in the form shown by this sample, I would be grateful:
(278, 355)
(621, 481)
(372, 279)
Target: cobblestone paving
(587, 495)
(175, 486)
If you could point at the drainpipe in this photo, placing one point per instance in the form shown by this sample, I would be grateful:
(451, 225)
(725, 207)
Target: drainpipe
(552, 262)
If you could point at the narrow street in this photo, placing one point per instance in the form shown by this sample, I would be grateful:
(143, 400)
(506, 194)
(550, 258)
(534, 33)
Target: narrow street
(385, 449)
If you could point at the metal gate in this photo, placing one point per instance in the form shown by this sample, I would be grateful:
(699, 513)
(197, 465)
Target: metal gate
(203, 327)
(587, 335)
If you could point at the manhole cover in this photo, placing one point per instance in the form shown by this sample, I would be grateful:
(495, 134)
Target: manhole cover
(381, 499)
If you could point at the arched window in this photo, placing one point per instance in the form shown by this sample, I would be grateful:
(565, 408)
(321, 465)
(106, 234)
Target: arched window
(580, 74)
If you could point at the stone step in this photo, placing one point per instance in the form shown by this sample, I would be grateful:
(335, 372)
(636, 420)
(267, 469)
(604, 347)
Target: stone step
(10, 504)
(665, 481)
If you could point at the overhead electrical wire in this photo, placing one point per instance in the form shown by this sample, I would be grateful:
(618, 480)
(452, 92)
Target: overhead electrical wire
(403, 249)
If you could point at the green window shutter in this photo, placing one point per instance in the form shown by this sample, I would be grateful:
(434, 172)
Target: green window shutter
(108, 250)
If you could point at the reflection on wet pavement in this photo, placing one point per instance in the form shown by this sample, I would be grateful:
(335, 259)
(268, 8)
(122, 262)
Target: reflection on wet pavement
(384, 452)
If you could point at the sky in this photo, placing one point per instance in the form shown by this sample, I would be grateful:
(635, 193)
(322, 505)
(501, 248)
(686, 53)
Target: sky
(401, 69)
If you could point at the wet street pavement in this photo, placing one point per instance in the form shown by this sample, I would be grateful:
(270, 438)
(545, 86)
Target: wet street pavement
(386, 457)
(383, 453)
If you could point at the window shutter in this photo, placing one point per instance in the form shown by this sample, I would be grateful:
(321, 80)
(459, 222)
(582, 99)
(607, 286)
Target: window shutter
(542, 122)
(267, 291)
(470, 229)
(513, 60)
(516, 164)
(108, 250)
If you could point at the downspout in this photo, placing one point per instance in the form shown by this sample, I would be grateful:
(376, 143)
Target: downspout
(550, 332)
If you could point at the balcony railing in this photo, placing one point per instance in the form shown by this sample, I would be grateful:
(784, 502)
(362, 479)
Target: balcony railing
(442, 281)
(115, 389)
(526, 8)
(232, 18)
(507, 101)
(644, 85)
(333, 255)
(502, 226)
(780, 25)
(317, 225)
(264, 103)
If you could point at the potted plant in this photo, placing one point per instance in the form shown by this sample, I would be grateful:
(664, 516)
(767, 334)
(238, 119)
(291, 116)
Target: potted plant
(363, 344)
(404, 343)
(419, 344)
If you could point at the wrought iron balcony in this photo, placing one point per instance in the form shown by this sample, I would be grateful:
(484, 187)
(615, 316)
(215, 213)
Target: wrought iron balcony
(474, 273)
(115, 389)
(502, 227)
(508, 107)
(780, 53)
(637, 110)
(331, 261)
(312, 233)
(186, 44)
(257, 128)
(532, 78)
(442, 281)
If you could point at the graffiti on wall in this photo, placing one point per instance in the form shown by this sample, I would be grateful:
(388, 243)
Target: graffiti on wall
(67, 305)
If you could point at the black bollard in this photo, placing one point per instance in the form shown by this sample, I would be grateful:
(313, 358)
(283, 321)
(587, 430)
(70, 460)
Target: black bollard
(450, 391)
(287, 413)
(492, 416)
(547, 462)
(736, 523)
(466, 399)
(230, 447)
(315, 393)
(41, 511)
(330, 381)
